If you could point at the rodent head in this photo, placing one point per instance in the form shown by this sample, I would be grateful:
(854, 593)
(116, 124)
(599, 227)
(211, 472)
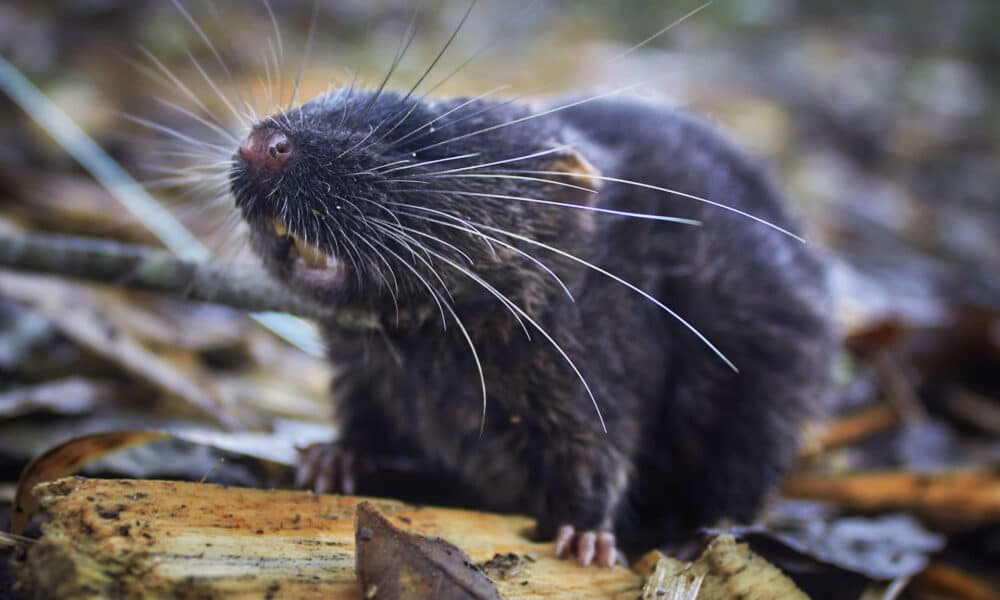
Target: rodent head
(374, 200)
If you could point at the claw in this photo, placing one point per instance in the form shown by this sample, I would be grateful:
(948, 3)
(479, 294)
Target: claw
(588, 547)
(607, 553)
(328, 468)
(564, 539)
(585, 548)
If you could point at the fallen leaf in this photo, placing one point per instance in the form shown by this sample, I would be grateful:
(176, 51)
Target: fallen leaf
(70, 456)
(395, 565)
(65, 459)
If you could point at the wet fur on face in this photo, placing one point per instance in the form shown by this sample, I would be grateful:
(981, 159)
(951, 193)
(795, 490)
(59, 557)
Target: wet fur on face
(397, 210)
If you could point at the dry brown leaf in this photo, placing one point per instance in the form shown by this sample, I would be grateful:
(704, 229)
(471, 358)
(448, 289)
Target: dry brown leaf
(65, 459)
(395, 565)
(72, 455)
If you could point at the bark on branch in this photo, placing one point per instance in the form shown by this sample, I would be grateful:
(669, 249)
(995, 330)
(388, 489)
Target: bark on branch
(241, 286)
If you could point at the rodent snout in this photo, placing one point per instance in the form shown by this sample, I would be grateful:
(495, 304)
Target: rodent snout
(266, 149)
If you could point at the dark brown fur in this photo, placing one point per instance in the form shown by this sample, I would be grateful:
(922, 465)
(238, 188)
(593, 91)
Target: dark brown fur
(688, 440)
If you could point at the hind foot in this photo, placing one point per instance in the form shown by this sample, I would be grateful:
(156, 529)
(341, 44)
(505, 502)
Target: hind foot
(329, 468)
(588, 546)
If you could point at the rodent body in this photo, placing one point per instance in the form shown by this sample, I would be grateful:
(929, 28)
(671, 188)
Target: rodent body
(688, 439)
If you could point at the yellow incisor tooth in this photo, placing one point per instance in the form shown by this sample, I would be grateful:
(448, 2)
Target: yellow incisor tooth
(313, 257)
(279, 229)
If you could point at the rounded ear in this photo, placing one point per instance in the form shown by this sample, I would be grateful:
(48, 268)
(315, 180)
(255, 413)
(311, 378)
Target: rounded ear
(580, 171)
(580, 183)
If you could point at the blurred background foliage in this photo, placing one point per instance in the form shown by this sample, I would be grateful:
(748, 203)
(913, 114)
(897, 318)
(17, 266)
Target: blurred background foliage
(880, 120)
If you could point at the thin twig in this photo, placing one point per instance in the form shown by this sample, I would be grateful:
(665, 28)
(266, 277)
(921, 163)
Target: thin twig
(129, 193)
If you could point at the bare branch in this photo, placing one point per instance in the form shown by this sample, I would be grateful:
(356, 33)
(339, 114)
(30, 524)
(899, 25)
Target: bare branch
(243, 286)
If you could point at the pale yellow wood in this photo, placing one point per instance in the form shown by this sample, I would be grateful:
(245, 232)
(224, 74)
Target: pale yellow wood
(170, 539)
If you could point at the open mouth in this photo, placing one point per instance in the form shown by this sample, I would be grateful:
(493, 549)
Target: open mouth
(309, 263)
(311, 256)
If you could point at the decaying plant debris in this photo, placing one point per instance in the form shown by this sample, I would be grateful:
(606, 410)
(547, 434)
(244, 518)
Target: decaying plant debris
(724, 570)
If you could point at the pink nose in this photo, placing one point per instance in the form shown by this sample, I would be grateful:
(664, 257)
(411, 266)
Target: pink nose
(266, 150)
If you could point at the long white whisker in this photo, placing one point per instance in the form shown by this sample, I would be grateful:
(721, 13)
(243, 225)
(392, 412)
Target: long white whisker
(379, 206)
(423, 76)
(173, 133)
(277, 50)
(517, 178)
(459, 107)
(355, 146)
(504, 161)
(462, 329)
(429, 236)
(490, 238)
(223, 132)
(514, 307)
(430, 162)
(675, 193)
(623, 282)
(445, 215)
(597, 209)
(268, 85)
(533, 116)
(444, 49)
(389, 164)
(169, 74)
(646, 41)
(277, 29)
(305, 55)
(394, 286)
(408, 35)
(409, 241)
(440, 301)
(204, 38)
(218, 92)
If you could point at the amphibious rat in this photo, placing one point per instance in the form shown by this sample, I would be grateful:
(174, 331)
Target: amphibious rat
(621, 283)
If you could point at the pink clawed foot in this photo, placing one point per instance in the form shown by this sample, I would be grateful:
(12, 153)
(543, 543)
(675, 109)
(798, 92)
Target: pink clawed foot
(588, 546)
(327, 468)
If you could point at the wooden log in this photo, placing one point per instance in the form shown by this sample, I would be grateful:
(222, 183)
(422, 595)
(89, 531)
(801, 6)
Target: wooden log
(157, 539)
(956, 497)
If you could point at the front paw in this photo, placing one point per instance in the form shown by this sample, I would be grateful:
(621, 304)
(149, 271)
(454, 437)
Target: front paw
(330, 468)
(588, 546)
